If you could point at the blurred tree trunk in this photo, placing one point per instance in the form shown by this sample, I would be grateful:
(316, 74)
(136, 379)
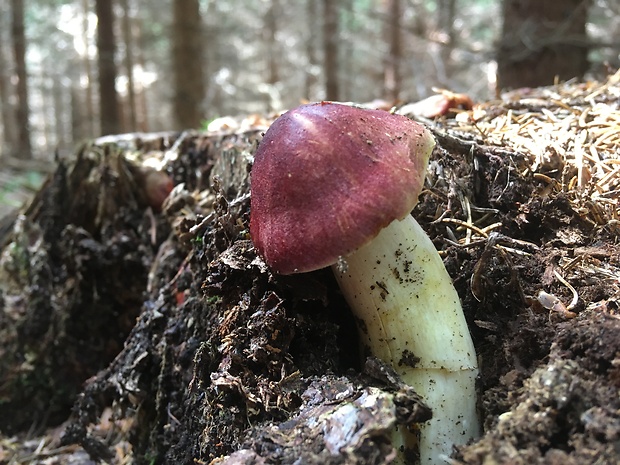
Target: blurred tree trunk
(142, 108)
(77, 127)
(87, 126)
(445, 22)
(391, 67)
(348, 67)
(310, 75)
(330, 49)
(23, 148)
(270, 30)
(41, 84)
(59, 108)
(187, 64)
(106, 47)
(131, 120)
(9, 131)
(542, 40)
(214, 59)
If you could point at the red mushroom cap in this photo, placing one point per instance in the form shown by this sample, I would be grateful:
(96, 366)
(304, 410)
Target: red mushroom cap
(328, 177)
(157, 186)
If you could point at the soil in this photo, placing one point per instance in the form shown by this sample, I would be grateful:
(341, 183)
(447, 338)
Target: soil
(133, 335)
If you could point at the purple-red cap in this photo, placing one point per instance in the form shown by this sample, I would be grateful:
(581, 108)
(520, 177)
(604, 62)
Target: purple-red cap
(328, 177)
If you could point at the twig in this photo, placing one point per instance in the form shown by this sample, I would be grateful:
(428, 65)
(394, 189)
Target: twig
(573, 303)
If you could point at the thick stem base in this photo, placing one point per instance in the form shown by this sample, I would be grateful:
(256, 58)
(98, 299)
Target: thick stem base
(410, 316)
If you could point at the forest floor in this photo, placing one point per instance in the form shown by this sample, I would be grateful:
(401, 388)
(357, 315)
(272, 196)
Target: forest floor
(192, 350)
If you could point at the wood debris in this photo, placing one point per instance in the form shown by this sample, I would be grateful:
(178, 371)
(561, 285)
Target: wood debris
(570, 132)
(569, 135)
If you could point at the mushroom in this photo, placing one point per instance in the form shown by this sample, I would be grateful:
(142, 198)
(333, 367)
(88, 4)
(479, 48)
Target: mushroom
(156, 186)
(334, 185)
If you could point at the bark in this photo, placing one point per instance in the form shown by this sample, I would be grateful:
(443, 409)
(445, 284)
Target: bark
(24, 148)
(187, 61)
(330, 49)
(106, 46)
(542, 41)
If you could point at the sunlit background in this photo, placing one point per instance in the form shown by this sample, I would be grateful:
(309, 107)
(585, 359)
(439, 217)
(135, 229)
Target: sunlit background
(257, 56)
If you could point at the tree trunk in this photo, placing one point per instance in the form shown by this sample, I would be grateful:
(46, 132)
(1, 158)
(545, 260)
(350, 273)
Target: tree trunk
(270, 30)
(87, 128)
(141, 108)
(348, 67)
(131, 118)
(446, 16)
(541, 41)
(59, 109)
(41, 85)
(77, 127)
(187, 64)
(391, 74)
(24, 148)
(310, 75)
(9, 130)
(330, 49)
(106, 46)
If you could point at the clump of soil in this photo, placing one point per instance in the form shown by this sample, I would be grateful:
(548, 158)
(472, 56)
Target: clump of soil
(566, 410)
(228, 362)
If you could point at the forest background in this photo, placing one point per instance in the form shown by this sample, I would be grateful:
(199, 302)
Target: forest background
(77, 69)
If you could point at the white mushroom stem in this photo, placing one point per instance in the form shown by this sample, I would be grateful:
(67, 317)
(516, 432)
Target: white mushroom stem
(411, 317)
